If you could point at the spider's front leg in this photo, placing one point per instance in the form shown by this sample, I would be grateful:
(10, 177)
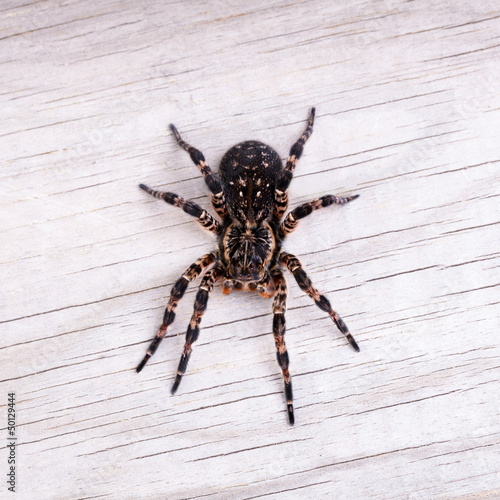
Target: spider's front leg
(281, 191)
(190, 207)
(279, 328)
(200, 305)
(176, 294)
(211, 180)
(295, 267)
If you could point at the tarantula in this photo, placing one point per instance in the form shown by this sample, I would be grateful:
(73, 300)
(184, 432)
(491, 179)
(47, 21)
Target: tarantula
(250, 197)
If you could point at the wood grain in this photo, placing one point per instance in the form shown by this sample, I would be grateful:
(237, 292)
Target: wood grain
(408, 111)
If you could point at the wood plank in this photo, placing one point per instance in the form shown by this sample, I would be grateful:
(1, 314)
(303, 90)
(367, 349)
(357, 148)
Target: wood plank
(408, 106)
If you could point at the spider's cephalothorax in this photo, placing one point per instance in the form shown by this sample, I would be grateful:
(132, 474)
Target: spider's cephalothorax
(247, 251)
(250, 198)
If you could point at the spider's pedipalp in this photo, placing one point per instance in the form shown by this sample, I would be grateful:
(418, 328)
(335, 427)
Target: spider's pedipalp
(295, 267)
(211, 180)
(292, 219)
(200, 305)
(266, 287)
(279, 328)
(176, 294)
(190, 207)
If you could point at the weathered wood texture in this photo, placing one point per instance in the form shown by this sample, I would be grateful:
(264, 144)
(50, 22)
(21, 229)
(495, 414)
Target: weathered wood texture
(408, 109)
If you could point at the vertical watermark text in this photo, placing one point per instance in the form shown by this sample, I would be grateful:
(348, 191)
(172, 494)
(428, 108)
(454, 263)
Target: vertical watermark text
(11, 441)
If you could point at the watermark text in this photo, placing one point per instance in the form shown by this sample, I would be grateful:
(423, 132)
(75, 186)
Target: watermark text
(11, 441)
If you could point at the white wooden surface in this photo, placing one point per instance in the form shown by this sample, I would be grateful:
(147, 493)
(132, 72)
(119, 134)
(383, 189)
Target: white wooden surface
(408, 112)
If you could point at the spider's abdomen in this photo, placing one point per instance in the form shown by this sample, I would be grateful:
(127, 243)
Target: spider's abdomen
(249, 172)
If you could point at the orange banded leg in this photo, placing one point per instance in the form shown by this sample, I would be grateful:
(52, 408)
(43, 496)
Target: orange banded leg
(190, 207)
(281, 195)
(295, 267)
(200, 305)
(213, 183)
(279, 328)
(175, 295)
(292, 219)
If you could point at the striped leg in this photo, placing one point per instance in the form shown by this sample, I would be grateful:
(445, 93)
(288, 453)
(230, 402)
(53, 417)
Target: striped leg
(175, 295)
(292, 219)
(190, 207)
(213, 183)
(281, 195)
(295, 267)
(279, 308)
(200, 304)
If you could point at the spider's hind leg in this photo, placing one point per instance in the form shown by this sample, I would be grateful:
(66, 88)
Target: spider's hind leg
(211, 180)
(176, 294)
(200, 305)
(279, 328)
(295, 267)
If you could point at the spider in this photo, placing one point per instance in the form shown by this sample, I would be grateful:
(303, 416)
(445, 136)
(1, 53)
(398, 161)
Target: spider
(250, 197)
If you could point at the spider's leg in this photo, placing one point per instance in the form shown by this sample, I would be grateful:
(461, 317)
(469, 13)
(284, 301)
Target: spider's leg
(200, 304)
(295, 267)
(281, 194)
(279, 307)
(211, 180)
(190, 207)
(175, 295)
(292, 219)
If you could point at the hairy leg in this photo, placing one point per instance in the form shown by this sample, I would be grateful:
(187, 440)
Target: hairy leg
(190, 207)
(281, 194)
(292, 219)
(211, 180)
(200, 305)
(176, 294)
(279, 328)
(295, 267)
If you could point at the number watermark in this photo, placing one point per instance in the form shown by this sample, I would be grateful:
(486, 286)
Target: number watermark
(11, 441)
